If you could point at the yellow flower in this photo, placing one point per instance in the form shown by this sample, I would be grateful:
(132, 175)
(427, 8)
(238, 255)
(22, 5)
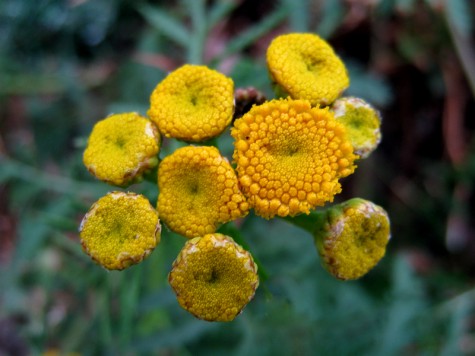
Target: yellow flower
(120, 229)
(193, 103)
(121, 148)
(352, 238)
(290, 156)
(362, 123)
(214, 278)
(305, 67)
(198, 191)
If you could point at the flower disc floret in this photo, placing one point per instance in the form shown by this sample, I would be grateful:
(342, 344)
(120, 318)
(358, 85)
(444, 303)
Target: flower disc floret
(362, 122)
(199, 190)
(121, 148)
(290, 156)
(305, 67)
(193, 103)
(214, 278)
(120, 229)
(353, 238)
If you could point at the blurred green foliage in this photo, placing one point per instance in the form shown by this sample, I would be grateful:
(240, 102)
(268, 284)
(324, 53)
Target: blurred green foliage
(66, 64)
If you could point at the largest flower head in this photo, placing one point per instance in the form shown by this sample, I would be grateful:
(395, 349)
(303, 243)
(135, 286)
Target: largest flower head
(290, 156)
(199, 191)
(193, 103)
(304, 66)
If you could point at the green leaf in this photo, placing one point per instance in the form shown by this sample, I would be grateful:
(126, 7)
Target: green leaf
(196, 43)
(255, 32)
(298, 14)
(405, 6)
(219, 10)
(459, 13)
(166, 24)
(331, 17)
(367, 85)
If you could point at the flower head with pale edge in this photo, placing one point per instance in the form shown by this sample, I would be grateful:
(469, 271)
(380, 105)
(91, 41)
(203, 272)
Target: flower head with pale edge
(290, 156)
(304, 66)
(193, 103)
(362, 122)
(214, 278)
(121, 148)
(352, 238)
(199, 190)
(120, 230)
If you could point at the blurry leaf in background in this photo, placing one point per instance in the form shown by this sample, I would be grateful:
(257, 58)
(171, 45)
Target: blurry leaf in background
(66, 64)
(369, 86)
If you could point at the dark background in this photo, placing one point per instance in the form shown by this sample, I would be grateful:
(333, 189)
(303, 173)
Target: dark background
(66, 64)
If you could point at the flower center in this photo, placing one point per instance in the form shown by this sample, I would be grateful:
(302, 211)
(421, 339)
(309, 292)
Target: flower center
(193, 187)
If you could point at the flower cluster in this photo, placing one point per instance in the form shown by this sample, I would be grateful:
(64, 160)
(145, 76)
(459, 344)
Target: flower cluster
(290, 154)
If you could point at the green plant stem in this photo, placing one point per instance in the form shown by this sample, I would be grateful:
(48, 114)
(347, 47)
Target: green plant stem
(197, 42)
(130, 283)
(310, 222)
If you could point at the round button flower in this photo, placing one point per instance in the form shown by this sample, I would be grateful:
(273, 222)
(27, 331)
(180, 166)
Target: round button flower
(290, 156)
(193, 103)
(352, 237)
(304, 66)
(120, 229)
(121, 148)
(214, 278)
(199, 190)
(362, 122)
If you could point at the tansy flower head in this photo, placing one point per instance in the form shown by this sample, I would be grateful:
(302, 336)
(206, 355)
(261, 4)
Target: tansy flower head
(193, 103)
(213, 277)
(290, 156)
(121, 148)
(198, 191)
(120, 229)
(362, 123)
(305, 67)
(352, 238)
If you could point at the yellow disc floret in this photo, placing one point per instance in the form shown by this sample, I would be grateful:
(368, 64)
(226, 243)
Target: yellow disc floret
(121, 148)
(213, 277)
(290, 156)
(199, 190)
(305, 67)
(193, 103)
(362, 123)
(120, 229)
(353, 238)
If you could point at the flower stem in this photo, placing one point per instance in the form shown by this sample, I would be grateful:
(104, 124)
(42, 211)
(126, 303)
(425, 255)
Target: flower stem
(310, 222)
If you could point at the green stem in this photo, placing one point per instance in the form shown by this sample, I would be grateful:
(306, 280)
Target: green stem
(128, 302)
(310, 222)
(197, 42)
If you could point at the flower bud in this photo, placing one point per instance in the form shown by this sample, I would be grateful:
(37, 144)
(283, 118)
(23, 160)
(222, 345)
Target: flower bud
(120, 230)
(214, 278)
(352, 237)
(121, 148)
(362, 123)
